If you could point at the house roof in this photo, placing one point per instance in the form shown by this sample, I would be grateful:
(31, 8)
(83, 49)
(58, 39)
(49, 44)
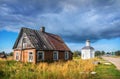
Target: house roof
(42, 40)
(88, 47)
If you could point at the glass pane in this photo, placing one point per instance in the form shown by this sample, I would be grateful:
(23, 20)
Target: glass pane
(66, 55)
(24, 40)
(55, 56)
(40, 56)
(30, 56)
(17, 56)
(24, 45)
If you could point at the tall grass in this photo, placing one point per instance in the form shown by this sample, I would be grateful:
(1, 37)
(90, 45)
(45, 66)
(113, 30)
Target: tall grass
(74, 69)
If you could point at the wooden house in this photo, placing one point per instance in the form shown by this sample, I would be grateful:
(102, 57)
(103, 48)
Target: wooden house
(37, 45)
(3, 55)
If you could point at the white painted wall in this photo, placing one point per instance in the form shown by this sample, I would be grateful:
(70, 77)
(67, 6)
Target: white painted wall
(87, 53)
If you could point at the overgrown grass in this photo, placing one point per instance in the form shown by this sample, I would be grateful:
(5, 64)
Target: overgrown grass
(74, 69)
(58, 70)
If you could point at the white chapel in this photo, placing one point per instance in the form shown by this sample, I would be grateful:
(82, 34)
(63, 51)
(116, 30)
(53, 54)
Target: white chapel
(87, 52)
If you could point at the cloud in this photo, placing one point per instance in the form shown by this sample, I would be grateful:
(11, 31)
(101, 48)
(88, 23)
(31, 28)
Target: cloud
(74, 20)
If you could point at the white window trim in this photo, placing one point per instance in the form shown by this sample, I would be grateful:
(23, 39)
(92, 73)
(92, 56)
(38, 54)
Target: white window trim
(57, 55)
(67, 55)
(42, 55)
(28, 56)
(24, 45)
(17, 54)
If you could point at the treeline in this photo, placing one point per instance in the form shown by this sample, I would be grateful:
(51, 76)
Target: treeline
(7, 54)
(77, 53)
(117, 53)
(97, 53)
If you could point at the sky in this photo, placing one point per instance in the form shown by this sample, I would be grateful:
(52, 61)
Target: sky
(74, 20)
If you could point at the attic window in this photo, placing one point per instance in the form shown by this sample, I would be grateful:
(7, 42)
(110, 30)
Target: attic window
(44, 46)
(24, 42)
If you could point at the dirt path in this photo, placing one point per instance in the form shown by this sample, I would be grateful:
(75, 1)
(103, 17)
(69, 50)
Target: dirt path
(115, 61)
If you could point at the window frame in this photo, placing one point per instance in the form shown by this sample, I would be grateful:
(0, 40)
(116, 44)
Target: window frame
(57, 54)
(17, 55)
(24, 45)
(66, 55)
(29, 57)
(24, 42)
(42, 55)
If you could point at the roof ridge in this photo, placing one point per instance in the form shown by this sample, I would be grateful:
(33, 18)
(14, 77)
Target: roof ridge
(38, 30)
(27, 28)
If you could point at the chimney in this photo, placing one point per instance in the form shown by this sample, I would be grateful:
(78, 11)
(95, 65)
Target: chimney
(87, 42)
(42, 29)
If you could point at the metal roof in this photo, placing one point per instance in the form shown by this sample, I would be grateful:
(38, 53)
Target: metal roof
(43, 40)
(88, 47)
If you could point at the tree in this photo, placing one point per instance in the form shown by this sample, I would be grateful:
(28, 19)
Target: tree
(117, 53)
(11, 53)
(76, 53)
(102, 53)
(99, 53)
(4, 54)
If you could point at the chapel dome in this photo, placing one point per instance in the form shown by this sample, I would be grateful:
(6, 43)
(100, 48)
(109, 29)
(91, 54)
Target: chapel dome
(88, 45)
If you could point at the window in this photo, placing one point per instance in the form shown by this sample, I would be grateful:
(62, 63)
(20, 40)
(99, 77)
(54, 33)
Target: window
(17, 56)
(66, 55)
(40, 55)
(24, 45)
(55, 55)
(24, 42)
(30, 58)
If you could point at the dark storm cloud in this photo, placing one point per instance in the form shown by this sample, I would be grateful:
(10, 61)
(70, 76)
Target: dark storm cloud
(31, 7)
(74, 20)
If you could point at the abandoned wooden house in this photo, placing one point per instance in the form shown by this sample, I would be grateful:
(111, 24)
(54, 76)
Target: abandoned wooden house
(38, 45)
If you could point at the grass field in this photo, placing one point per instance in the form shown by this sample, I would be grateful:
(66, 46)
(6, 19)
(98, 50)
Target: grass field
(74, 69)
(106, 71)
